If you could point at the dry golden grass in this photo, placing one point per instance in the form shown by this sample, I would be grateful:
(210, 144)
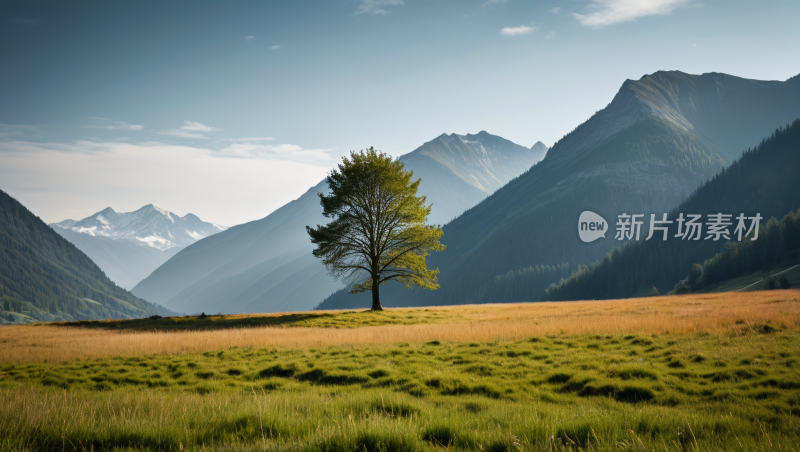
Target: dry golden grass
(499, 322)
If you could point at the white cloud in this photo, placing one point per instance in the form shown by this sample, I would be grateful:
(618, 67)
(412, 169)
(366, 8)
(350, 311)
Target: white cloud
(249, 139)
(493, 2)
(290, 152)
(276, 47)
(183, 134)
(609, 12)
(191, 125)
(74, 180)
(249, 38)
(189, 129)
(514, 31)
(550, 35)
(103, 123)
(376, 6)
(556, 10)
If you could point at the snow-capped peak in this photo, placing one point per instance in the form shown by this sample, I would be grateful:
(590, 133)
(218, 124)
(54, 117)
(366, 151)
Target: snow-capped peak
(148, 226)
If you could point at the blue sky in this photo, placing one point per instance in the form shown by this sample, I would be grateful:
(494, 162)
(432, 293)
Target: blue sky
(230, 109)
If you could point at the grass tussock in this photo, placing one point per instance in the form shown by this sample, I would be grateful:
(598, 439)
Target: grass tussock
(416, 396)
(320, 420)
(713, 375)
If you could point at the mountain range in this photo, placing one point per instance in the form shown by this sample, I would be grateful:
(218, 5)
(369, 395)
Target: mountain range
(510, 216)
(765, 181)
(658, 139)
(43, 277)
(267, 265)
(129, 246)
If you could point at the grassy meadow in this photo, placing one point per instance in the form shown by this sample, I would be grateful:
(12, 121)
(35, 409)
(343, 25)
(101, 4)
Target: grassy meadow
(695, 372)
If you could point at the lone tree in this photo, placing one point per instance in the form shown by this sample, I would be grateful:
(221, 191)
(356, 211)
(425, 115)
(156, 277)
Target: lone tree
(378, 232)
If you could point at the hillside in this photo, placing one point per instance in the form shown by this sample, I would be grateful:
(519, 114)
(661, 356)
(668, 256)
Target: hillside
(124, 261)
(770, 262)
(765, 180)
(649, 149)
(267, 265)
(43, 277)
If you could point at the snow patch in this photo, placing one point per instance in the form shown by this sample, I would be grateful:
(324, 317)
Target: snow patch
(90, 231)
(156, 242)
(166, 213)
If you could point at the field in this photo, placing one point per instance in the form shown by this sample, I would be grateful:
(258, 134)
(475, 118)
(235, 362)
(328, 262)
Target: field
(717, 371)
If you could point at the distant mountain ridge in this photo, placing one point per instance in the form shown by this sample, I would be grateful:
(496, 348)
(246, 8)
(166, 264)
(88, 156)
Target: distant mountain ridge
(482, 160)
(728, 113)
(150, 226)
(43, 277)
(129, 246)
(652, 146)
(458, 171)
(267, 265)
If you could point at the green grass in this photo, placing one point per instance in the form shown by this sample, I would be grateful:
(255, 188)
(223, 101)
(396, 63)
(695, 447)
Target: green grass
(371, 420)
(792, 274)
(349, 319)
(754, 281)
(612, 392)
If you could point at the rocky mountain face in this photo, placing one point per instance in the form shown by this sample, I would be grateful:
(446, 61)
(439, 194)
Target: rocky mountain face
(484, 161)
(267, 265)
(652, 146)
(459, 171)
(129, 246)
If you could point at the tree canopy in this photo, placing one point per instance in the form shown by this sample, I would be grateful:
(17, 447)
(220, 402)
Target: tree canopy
(378, 231)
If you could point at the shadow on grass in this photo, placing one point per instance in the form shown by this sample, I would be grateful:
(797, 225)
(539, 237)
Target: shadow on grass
(349, 319)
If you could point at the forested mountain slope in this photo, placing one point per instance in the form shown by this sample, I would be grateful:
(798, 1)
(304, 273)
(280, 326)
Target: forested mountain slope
(652, 146)
(765, 181)
(43, 277)
(267, 265)
(776, 252)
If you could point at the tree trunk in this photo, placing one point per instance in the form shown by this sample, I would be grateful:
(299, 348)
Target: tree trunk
(376, 297)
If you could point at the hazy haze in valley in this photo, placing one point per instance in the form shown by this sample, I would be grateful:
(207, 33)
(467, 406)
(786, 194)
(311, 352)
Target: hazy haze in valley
(267, 265)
